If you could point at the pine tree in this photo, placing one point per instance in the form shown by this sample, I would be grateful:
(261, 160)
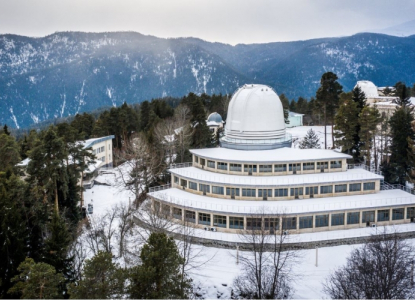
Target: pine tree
(37, 281)
(359, 97)
(403, 92)
(6, 129)
(346, 123)
(159, 275)
(310, 141)
(101, 279)
(369, 119)
(9, 152)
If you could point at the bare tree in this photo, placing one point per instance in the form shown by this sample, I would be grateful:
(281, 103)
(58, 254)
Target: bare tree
(380, 269)
(124, 214)
(78, 251)
(165, 134)
(267, 265)
(183, 131)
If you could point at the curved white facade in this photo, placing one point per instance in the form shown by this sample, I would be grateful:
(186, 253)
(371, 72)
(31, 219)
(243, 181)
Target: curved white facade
(369, 88)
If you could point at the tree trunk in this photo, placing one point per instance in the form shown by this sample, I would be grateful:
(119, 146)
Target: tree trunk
(56, 198)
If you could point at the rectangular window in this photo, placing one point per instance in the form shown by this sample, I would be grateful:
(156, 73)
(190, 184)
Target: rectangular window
(311, 190)
(253, 223)
(156, 206)
(336, 164)
(353, 218)
(281, 193)
(165, 210)
(369, 186)
(222, 166)
(236, 222)
(196, 159)
(248, 193)
(109, 146)
(109, 157)
(340, 188)
(410, 212)
(183, 182)
(280, 168)
(190, 216)
(355, 187)
(294, 167)
(193, 185)
(368, 216)
(202, 161)
(264, 192)
(398, 213)
(326, 189)
(383, 215)
(337, 219)
(265, 168)
(176, 180)
(177, 213)
(204, 219)
(204, 188)
(102, 148)
(219, 221)
(211, 164)
(250, 168)
(217, 190)
(306, 222)
(296, 191)
(289, 223)
(271, 223)
(322, 220)
(235, 167)
(232, 191)
(308, 166)
(322, 165)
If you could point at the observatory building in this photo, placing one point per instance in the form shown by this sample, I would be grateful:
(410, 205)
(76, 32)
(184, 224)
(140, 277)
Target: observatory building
(256, 180)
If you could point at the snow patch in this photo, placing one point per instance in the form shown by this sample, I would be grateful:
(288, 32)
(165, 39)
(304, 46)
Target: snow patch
(13, 117)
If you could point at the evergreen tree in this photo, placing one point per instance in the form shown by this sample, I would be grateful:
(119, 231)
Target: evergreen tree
(403, 92)
(327, 98)
(145, 109)
(159, 275)
(359, 97)
(84, 124)
(9, 151)
(37, 281)
(369, 119)
(346, 122)
(293, 105)
(310, 141)
(6, 129)
(101, 279)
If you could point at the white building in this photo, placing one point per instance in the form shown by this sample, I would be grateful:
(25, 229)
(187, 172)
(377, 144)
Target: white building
(295, 119)
(255, 179)
(214, 122)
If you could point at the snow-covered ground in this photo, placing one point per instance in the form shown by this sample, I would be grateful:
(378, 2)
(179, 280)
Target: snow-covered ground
(300, 132)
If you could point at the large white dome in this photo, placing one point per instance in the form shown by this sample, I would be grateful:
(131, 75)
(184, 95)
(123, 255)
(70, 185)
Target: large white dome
(255, 116)
(369, 88)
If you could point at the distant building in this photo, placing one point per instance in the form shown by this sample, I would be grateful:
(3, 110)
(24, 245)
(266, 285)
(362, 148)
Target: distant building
(374, 97)
(294, 119)
(214, 122)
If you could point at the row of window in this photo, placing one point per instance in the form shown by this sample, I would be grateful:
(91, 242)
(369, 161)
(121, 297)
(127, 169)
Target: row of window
(304, 222)
(253, 168)
(298, 191)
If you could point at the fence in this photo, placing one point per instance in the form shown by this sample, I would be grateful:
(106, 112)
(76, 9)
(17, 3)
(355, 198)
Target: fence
(364, 167)
(159, 188)
(181, 165)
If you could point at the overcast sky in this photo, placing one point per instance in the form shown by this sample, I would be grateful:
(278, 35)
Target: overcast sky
(228, 21)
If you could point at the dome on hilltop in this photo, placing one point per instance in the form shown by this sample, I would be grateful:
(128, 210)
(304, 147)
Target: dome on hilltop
(368, 87)
(215, 117)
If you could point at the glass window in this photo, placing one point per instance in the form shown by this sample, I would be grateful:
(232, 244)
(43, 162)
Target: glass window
(193, 185)
(217, 190)
(253, 223)
(219, 221)
(222, 166)
(355, 187)
(250, 168)
(271, 223)
(196, 159)
(335, 164)
(177, 213)
(236, 222)
(204, 188)
(232, 191)
(248, 193)
(204, 219)
(211, 164)
(326, 189)
(306, 222)
(264, 192)
(322, 220)
(156, 206)
(265, 168)
(353, 217)
(176, 180)
(410, 212)
(337, 219)
(289, 223)
(383, 215)
(398, 213)
(236, 167)
(294, 167)
(340, 188)
(281, 193)
(202, 161)
(296, 191)
(190, 216)
(308, 166)
(280, 168)
(183, 182)
(368, 186)
(322, 165)
(165, 209)
(311, 190)
(368, 216)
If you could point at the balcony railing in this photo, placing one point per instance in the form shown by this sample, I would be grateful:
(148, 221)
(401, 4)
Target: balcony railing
(364, 167)
(181, 165)
(159, 188)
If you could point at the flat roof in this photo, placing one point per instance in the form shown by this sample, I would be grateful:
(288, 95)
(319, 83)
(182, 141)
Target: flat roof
(193, 201)
(268, 156)
(192, 173)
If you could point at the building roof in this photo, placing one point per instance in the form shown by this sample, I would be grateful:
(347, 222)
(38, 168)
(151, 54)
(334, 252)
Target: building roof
(294, 114)
(368, 87)
(269, 156)
(90, 142)
(388, 198)
(214, 119)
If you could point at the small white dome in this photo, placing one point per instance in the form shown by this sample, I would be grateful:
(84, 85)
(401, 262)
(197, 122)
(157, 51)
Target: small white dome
(255, 113)
(368, 87)
(215, 117)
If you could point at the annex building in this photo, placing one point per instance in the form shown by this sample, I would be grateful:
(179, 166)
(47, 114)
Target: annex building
(256, 180)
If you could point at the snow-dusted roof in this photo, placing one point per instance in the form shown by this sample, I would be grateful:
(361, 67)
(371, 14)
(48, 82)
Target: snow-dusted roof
(303, 206)
(294, 114)
(23, 163)
(370, 90)
(196, 174)
(269, 156)
(90, 142)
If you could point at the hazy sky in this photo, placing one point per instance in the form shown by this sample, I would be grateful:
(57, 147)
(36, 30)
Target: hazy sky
(228, 21)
